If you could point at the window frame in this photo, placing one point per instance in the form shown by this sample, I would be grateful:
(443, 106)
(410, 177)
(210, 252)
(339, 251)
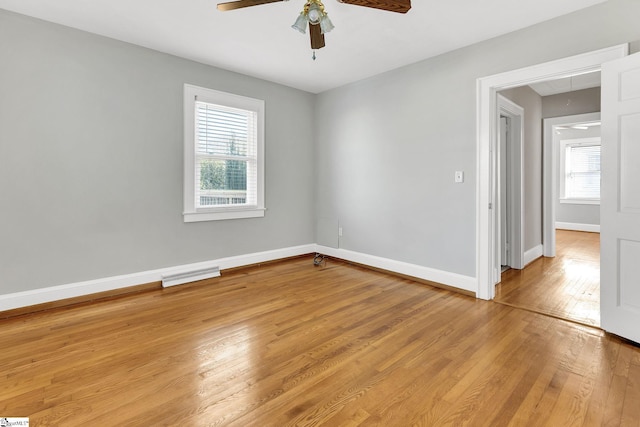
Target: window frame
(577, 142)
(191, 212)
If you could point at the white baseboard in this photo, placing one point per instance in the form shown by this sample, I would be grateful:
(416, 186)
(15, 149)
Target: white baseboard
(532, 254)
(591, 228)
(72, 290)
(455, 280)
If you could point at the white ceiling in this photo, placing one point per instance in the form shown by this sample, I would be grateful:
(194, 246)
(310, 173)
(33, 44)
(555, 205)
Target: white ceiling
(259, 41)
(568, 84)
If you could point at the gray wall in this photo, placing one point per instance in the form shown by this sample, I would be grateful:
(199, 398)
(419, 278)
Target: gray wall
(389, 145)
(91, 160)
(531, 102)
(571, 103)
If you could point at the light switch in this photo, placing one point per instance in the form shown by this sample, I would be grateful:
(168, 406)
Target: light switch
(459, 176)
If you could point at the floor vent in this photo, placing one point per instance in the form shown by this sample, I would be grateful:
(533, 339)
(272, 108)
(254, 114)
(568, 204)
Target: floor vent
(189, 276)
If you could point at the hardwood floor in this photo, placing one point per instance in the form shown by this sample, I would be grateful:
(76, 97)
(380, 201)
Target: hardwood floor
(566, 286)
(293, 344)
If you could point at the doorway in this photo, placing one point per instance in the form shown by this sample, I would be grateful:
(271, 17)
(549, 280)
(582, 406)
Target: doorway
(555, 287)
(564, 285)
(579, 215)
(510, 252)
(505, 197)
(486, 216)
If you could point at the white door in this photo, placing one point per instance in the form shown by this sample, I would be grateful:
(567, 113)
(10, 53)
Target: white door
(620, 198)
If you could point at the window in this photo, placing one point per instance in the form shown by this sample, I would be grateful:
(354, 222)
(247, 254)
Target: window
(580, 171)
(223, 155)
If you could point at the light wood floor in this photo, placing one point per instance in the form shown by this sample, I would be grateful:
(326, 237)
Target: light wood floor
(293, 344)
(566, 286)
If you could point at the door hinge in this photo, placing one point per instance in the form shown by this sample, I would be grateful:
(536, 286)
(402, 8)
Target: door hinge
(489, 205)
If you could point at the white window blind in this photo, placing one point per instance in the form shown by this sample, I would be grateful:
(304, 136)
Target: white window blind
(224, 155)
(582, 171)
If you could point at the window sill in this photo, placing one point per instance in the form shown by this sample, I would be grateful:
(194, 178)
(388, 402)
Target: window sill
(580, 201)
(223, 214)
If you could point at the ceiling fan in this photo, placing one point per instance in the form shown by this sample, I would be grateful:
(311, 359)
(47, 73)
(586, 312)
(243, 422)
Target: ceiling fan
(314, 16)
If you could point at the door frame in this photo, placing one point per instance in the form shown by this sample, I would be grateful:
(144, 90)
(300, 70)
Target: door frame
(550, 176)
(515, 113)
(486, 152)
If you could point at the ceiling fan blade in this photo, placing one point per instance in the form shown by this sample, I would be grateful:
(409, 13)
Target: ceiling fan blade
(400, 6)
(232, 5)
(317, 38)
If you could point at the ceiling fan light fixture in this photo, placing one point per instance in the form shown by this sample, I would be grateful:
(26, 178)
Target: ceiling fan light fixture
(314, 13)
(325, 24)
(301, 23)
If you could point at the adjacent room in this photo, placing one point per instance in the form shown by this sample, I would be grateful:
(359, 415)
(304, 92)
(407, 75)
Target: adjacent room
(304, 212)
(566, 281)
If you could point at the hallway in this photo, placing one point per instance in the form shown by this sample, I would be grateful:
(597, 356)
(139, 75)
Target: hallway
(566, 286)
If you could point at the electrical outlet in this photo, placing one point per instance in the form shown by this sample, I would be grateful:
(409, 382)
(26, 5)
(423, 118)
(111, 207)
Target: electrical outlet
(339, 231)
(459, 176)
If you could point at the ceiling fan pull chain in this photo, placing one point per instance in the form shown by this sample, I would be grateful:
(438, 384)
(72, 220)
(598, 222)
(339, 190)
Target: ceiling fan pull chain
(314, 55)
